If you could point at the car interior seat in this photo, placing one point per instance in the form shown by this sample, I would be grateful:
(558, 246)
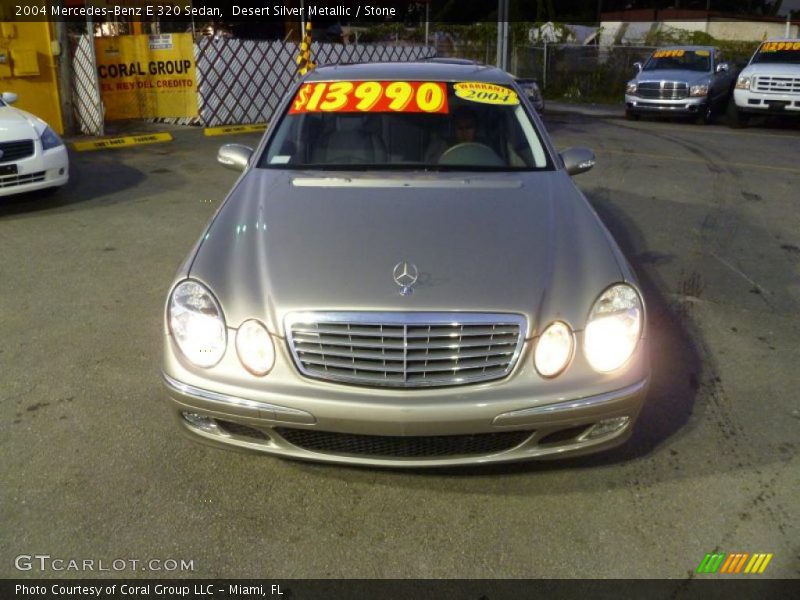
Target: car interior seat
(349, 141)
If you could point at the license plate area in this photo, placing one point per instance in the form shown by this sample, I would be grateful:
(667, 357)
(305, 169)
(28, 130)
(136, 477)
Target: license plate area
(778, 104)
(8, 170)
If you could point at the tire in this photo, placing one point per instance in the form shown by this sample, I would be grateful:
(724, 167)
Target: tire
(705, 116)
(632, 116)
(735, 117)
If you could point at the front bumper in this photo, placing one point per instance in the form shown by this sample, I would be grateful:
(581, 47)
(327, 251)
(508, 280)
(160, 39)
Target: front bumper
(498, 421)
(763, 103)
(44, 169)
(685, 106)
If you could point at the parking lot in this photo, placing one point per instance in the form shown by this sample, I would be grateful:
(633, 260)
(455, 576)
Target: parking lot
(96, 469)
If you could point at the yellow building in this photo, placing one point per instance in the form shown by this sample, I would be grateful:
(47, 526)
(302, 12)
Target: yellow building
(29, 68)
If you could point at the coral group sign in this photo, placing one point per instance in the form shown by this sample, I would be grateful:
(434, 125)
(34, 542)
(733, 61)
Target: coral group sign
(147, 76)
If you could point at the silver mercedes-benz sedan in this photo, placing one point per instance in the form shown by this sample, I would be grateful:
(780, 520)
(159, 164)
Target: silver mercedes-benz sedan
(406, 275)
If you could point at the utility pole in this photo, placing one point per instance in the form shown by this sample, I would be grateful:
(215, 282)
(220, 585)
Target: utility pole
(64, 72)
(502, 34)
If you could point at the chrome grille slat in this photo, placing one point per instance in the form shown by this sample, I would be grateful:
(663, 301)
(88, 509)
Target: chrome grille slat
(355, 365)
(397, 343)
(340, 351)
(459, 354)
(405, 349)
(396, 332)
(356, 331)
(462, 344)
(334, 341)
(437, 355)
(457, 366)
(667, 90)
(778, 84)
(451, 332)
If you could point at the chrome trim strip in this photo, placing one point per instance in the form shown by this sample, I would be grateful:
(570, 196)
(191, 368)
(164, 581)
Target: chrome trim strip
(405, 320)
(195, 392)
(386, 182)
(581, 403)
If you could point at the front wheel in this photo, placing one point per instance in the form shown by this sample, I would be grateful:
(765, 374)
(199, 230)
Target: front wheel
(735, 117)
(632, 116)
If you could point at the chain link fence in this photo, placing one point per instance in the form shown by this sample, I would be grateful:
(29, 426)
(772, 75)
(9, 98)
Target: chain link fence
(580, 72)
(481, 52)
(243, 81)
(568, 71)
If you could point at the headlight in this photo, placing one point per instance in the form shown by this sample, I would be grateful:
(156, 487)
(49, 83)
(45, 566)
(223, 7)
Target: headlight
(554, 349)
(630, 88)
(699, 90)
(50, 139)
(197, 324)
(254, 347)
(743, 83)
(613, 329)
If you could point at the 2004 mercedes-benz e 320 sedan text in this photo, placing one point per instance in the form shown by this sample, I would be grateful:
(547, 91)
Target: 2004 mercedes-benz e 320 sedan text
(406, 275)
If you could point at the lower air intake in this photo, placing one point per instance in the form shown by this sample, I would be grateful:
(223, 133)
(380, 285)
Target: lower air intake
(428, 446)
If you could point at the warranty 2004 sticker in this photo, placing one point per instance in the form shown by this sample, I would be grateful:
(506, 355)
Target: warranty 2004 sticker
(486, 93)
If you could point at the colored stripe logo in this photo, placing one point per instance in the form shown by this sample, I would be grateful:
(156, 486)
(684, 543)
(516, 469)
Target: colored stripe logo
(735, 563)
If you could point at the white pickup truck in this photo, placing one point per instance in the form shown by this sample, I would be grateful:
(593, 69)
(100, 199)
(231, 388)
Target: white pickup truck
(769, 84)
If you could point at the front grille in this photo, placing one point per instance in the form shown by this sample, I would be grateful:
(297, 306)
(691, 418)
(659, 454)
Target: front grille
(428, 446)
(15, 180)
(405, 349)
(663, 90)
(781, 85)
(12, 151)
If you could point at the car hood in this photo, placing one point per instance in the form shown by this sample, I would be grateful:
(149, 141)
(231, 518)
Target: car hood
(779, 69)
(16, 124)
(525, 243)
(689, 77)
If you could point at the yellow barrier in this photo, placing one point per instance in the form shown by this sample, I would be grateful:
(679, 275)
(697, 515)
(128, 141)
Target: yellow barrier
(235, 129)
(122, 142)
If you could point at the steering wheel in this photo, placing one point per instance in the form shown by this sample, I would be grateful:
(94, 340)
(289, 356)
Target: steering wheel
(471, 154)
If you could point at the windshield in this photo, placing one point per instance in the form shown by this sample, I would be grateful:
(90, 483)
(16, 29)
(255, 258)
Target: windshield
(778, 52)
(406, 125)
(684, 60)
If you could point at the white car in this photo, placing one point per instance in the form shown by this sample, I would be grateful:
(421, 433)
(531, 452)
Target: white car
(769, 84)
(32, 155)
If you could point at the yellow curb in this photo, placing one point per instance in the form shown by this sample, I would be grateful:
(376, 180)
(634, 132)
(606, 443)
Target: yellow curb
(226, 129)
(122, 141)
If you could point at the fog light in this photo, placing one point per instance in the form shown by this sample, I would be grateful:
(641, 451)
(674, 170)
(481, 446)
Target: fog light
(202, 422)
(61, 171)
(605, 427)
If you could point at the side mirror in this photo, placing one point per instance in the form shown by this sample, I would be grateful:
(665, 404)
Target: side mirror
(722, 67)
(638, 66)
(577, 160)
(9, 97)
(234, 156)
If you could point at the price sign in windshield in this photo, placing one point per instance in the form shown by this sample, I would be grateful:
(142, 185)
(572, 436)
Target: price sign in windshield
(668, 53)
(778, 46)
(371, 96)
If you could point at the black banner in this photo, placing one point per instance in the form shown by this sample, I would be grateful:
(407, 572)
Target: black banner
(407, 589)
(360, 12)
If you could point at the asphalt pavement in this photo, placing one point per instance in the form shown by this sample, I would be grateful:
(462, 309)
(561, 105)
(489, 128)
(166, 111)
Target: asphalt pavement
(94, 467)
